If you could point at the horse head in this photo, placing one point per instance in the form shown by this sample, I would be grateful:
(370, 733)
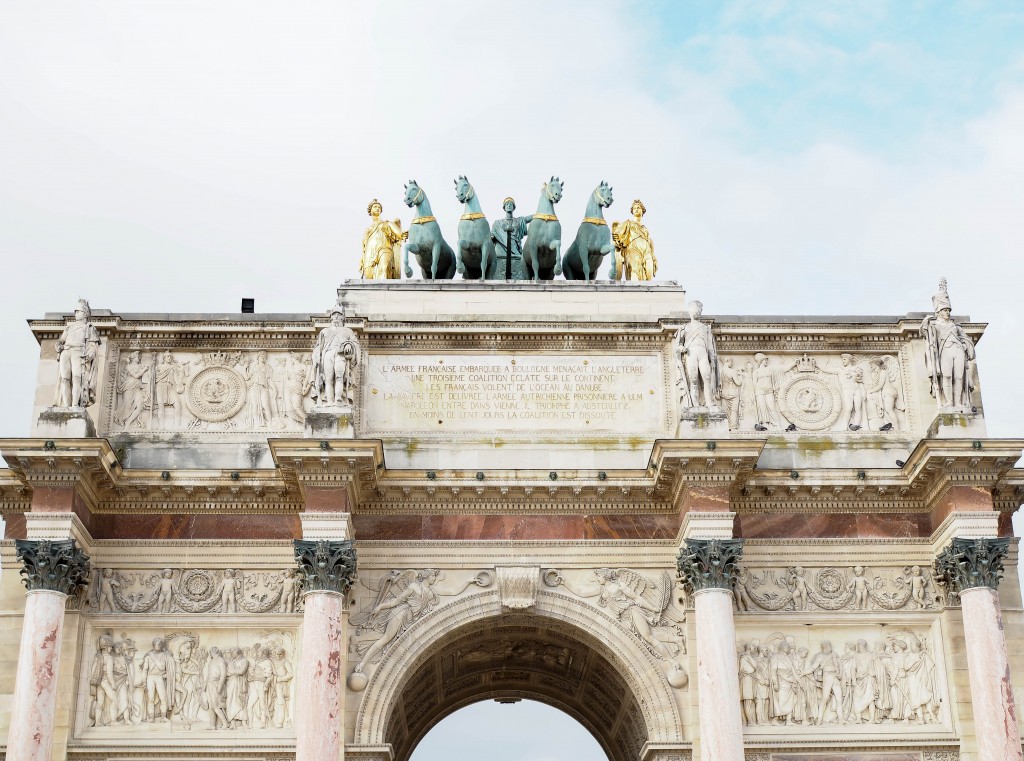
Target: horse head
(553, 189)
(413, 193)
(603, 194)
(463, 190)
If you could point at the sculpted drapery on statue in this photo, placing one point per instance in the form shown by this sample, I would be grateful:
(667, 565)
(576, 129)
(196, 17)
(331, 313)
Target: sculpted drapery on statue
(634, 248)
(948, 354)
(698, 358)
(381, 243)
(335, 358)
(500, 235)
(76, 360)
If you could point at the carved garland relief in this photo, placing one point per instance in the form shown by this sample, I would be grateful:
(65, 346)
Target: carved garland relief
(832, 589)
(194, 590)
(846, 393)
(214, 391)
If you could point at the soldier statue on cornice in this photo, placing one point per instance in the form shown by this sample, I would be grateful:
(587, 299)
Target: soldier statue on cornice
(335, 358)
(76, 360)
(948, 354)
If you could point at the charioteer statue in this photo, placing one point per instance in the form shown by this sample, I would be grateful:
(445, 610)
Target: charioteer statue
(508, 234)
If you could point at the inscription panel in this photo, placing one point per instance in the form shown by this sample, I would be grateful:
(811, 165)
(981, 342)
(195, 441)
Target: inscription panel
(520, 393)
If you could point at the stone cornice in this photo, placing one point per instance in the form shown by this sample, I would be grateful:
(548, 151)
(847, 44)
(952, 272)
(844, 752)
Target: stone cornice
(91, 467)
(933, 467)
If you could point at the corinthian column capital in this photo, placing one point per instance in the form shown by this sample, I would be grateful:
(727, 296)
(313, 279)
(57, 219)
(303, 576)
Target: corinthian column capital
(709, 563)
(55, 566)
(326, 566)
(972, 563)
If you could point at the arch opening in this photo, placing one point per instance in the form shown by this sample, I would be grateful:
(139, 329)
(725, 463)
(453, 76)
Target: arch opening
(527, 729)
(516, 657)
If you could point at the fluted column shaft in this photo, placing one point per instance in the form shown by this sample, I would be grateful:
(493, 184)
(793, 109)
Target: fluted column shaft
(51, 571)
(327, 568)
(708, 567)
(973, 568)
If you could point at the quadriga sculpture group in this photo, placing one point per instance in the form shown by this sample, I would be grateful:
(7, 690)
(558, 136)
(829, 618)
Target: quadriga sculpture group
(525, 248)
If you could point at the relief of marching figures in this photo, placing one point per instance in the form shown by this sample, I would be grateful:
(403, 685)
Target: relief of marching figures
(857, 588)
(185, 682)
(891, 680)
(195, 590)
(212, 391)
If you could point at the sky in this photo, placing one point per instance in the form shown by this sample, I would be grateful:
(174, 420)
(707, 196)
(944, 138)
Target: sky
(794, 157)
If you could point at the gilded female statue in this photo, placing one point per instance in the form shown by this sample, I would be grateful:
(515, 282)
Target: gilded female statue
(634, 249)
(380, 246)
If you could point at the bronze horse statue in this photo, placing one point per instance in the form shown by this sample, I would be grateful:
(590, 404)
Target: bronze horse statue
(593, 239)
(474, 253)
(435, 257)
(542, 255)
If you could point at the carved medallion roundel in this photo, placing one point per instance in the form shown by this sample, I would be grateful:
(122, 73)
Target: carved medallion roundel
(216, 394)
(810, 402)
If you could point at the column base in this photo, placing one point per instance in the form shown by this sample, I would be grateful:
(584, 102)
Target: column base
(334, 422)
(65, 423)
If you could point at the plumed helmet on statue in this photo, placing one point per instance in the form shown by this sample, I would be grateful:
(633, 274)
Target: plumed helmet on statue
(83, 307)
(940, 300)
(337, 308)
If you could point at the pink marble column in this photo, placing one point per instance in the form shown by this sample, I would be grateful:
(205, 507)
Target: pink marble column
(51, 571)
(318, 682)
(973, 568)
(35, 687)
(988, 669)
(718, 687)
(327, 569)
(708, 567)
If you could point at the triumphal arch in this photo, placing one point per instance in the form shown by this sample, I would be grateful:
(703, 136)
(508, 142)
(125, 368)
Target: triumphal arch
(703, 536)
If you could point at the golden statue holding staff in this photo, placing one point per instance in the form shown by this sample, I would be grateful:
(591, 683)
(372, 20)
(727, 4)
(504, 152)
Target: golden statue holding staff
(381, 246)
(634, 249)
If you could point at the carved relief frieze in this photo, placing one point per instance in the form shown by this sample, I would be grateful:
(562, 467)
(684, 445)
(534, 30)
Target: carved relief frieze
(850, 393)
(218, 391)
(147, 680)
(650, 608)
(864, 678)
(401, 597)
(194, 590)
(796, 588)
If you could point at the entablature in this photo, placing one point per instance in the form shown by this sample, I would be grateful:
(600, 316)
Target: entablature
(358, 469)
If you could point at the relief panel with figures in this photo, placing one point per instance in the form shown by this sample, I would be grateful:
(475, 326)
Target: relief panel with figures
(852, 393)
(865, 678)
(193, 590)
(835, 589)
(212, 391)
(153, 680)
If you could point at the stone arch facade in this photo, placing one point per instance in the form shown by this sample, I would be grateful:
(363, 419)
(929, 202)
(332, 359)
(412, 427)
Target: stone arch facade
(617, 667)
